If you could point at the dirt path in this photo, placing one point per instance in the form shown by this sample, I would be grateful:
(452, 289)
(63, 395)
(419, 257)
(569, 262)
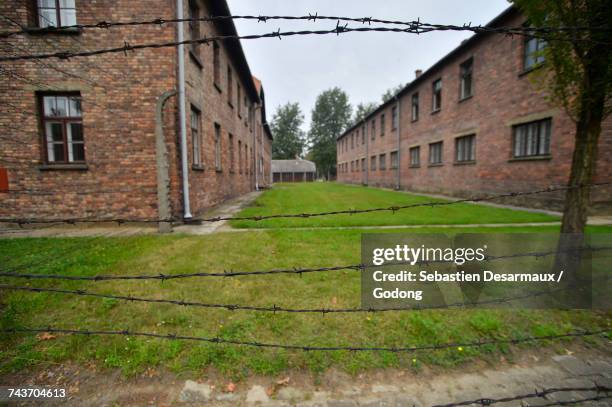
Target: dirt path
(531, 371)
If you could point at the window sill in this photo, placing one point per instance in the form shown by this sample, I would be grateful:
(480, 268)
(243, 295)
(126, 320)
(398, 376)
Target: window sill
(465, 162)
(415, 166)
(63, 167)
(217, 87)
(531, 158)
(435, 165)
(464, 98)
(218, 170)
(527, 71)
(197, 167)
(414, 120)
(436, 111)
(52, 30)
(196, 59)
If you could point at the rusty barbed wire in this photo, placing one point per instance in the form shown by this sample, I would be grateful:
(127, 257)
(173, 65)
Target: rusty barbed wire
(544, 393)
(393, 209)
(295, 270)
(269, 345)
(339, 29)
(413, 25)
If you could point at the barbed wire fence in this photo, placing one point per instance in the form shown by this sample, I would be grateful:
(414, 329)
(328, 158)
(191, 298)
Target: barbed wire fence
(408, 27)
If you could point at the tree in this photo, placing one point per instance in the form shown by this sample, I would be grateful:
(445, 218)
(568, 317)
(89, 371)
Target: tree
(391, 92)
(362, 110)
(330, 117)
(577, 73)
(289, 138)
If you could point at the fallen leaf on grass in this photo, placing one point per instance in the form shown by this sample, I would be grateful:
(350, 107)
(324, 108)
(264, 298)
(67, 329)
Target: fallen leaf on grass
(230, 388)
(283, 382)
(45, 336)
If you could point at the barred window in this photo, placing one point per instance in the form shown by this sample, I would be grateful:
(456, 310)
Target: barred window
(465, 148)
(363, 164)
(231, 152)
(373, 163)
(196, 137)
(532, 139)
(382, 124)
(465, 85)
(382, 162)
(394, 160)
(194, 25)
(415, 107)
(56, 13)
(216, 63)
(373, 132)
(415, 156)
(394, 118)
(363, 134)
(435, 153)
(533, 55)
(62, 123)
(217, 146)
(230, 84)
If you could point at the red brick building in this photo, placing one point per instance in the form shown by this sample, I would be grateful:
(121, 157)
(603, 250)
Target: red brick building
(79, 136)
(473, 124)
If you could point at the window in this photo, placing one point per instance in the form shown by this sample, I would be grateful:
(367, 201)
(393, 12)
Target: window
(436, 95)
(373, 132)
(394, 118)
(415, 107)
(373, 163)
(246, 159)
(62, 124)
(194, 24)
(56, 13)
(216, 63)
(532, 139)
(217, 147)
(382, 162)
(357, 137)
(393, 156)
(533, 52)
(239, 100)
(363, 134)
(239, 157)
(231, 152)
(415, 156)
(435, 153)
(465, 148)
(196, 138)
(363, 164)
(465, 79)
(352, 166)
(230, 91)
(352, 141)
(382, 124)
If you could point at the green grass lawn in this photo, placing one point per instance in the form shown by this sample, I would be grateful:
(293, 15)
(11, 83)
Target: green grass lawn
(327, 196)
(252, 250)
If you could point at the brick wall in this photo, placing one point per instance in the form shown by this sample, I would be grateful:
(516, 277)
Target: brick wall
(503, 96)
(119, 95)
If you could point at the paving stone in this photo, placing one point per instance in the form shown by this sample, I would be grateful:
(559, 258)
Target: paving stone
(603, 382)
(257, 394)
(341, 403)
(374, 402)
(574, 365)
(351, 392)
(290, 393)
(384, 388)
(194, 392)
(407, 401)
(227, 397)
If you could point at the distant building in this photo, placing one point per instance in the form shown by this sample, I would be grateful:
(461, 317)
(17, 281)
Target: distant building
(293, 171)
(473, 124)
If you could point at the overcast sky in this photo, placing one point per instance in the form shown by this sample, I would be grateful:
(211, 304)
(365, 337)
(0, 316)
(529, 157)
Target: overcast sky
(297, 69)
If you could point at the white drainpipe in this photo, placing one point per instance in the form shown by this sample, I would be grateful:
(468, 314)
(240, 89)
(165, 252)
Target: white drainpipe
(182, 113)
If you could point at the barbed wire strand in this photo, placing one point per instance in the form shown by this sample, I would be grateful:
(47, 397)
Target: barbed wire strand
(400, 349)
(393, 209)
(294, 270)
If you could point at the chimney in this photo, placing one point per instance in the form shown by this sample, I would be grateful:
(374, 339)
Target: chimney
(418, 73)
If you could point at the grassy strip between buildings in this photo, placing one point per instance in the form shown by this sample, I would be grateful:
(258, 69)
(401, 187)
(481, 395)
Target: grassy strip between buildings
(326, 196)
(242, 251)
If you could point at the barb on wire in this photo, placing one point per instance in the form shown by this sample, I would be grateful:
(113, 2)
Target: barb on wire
(537, 394)
(392, 209)
(398, 349)
(345, 29)
(295, 270)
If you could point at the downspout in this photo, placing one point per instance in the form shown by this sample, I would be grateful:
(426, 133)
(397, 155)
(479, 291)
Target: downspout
(399, 139)
(161, 157)
(255, 131)
(182, 113)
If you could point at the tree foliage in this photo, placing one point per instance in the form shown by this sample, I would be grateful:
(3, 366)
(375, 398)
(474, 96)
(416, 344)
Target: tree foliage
(289, 138)
(362, 110)
(391, 92)
(330, 117)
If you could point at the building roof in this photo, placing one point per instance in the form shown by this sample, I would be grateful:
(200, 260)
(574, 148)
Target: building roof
(411, 85)
(233, 45)
(293, 166)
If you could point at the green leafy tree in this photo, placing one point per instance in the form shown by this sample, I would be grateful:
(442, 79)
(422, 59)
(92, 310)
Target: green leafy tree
(577, 75)
(330, 117)
(289, 138)
(362, 110)
(390, 93)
